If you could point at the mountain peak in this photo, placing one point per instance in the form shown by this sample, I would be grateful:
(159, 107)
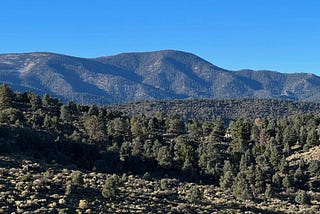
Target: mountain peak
(163, 74)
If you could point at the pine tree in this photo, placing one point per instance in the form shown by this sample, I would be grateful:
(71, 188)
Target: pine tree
(95, 127)
(65, 114)
(46, 100)
(260, 180)
(137, 148)
(218, 130)
(194, 130)
(240, 188)
(286, 182)
(268, 193)
(299, 177)
(240, 131)
(275, 156)
(276, 180)
(284, 167)
(176, 126)
(227, 178)
(47, 122)
(6, 97)
(312, 140)
(35, 101)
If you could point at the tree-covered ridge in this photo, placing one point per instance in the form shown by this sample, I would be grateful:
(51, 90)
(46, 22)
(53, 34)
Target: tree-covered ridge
(252, 159)
(228, 109)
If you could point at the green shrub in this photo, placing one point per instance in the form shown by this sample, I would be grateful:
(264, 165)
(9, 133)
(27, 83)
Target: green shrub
(76, 178)
(302, 197)
(110, 188)
(194, 195)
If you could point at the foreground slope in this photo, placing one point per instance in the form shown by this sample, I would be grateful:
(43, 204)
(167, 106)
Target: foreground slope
(146, 76)
(66, 158)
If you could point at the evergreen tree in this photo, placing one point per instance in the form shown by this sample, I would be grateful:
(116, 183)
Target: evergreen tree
(125, 151)
(95, 127)
(302, 135)
(275, 153)
(176, 126)
(184, 152)
(271, 128)
(268, 193)
(188, 168)
(137, 148)
(218, 130)
(207, 128)
(65, 114)
(240, 132)
(12, 116)
(276, 180)
(260, 181)
(46, 100)
(246, 161)
(284, 167)
(111, 187)
(299, 177)
(47, 121)
(136, 127)
(35, 101)
(147, 149)
(6, 97)
(286, 182)
(312, 140)
(314, 167)
(209, 160)
(194, 130)
(289, 138)
(240, 188)
(227, 178)
(164, 157)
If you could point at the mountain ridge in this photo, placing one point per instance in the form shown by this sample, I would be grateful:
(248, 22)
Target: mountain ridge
(156, 75)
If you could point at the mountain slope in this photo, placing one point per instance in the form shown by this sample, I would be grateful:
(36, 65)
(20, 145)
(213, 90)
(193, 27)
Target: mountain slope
(130, 77)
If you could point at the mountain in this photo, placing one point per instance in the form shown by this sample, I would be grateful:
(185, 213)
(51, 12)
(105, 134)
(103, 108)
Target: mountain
(128, 77)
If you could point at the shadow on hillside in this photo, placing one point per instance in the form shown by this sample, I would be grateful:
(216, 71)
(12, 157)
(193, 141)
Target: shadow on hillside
(42, 146)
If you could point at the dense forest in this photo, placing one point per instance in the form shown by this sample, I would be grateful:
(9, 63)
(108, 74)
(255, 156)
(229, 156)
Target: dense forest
(258, 159)
(228, 109)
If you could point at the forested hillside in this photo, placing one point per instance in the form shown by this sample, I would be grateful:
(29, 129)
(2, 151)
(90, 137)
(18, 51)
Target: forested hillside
(65, 157)
(228, 109)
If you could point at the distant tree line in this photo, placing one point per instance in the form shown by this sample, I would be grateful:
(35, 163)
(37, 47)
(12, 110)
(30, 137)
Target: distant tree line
(228, 109)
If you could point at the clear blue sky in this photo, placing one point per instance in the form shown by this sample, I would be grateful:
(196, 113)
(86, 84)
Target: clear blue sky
(282, 35)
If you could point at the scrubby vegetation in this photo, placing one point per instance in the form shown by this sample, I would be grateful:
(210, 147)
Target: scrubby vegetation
(66, 157)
